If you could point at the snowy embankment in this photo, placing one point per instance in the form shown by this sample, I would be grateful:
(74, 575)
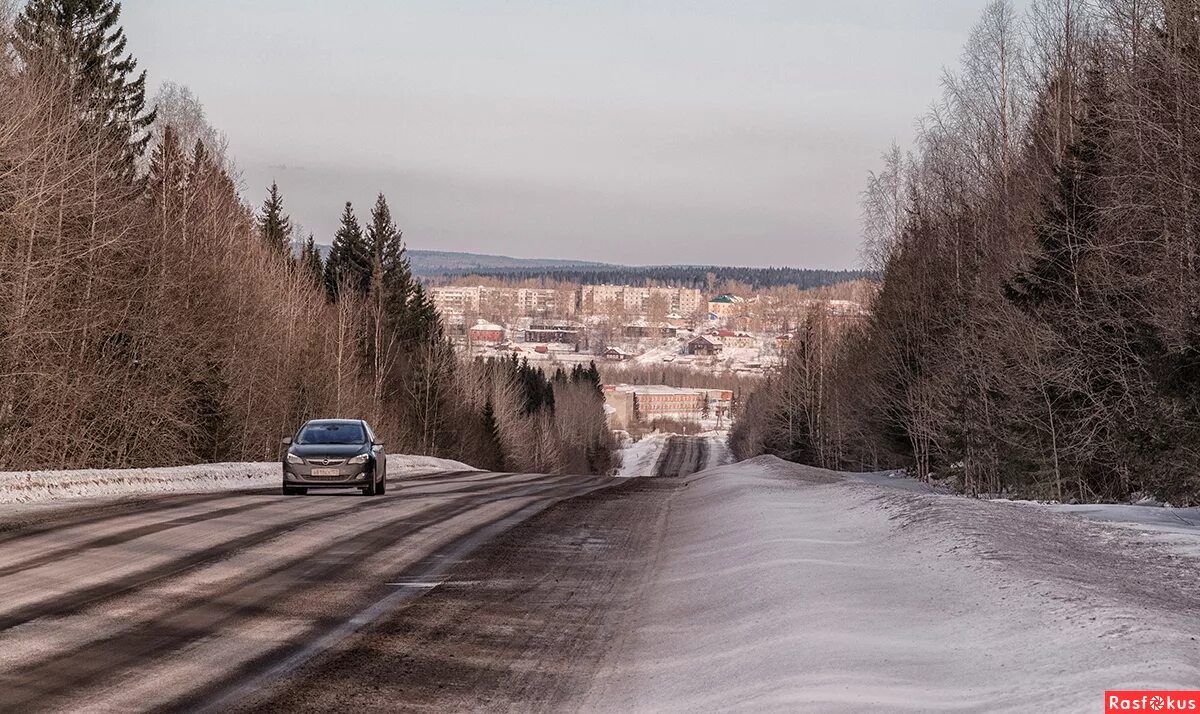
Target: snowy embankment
(1178, 528)
(787, 588)
(35, 486)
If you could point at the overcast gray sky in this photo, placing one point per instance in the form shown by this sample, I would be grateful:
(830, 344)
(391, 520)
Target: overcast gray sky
(636, 132)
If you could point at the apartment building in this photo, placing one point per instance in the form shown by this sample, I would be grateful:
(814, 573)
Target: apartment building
(689, 301)
(599, 298)
(629, 403)
(453, 302)
(639, 300)
(545, 301)
(456, 303)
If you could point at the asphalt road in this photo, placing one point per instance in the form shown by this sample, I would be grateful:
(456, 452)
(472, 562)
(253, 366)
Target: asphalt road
(195, 602)
(762, 586)
(684, 455)
(526, 624)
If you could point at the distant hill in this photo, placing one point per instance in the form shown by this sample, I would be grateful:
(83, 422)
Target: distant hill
(442, 262)
(446, 265)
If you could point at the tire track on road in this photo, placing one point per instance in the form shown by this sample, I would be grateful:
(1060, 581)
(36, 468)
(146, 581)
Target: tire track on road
(114, 539)
(520, 626)
(683, 456)
(14, 529)
(267, 669)
(202, 617)
(66, 518)
(75, 600)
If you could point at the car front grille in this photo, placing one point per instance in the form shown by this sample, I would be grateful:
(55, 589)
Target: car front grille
(325, 462)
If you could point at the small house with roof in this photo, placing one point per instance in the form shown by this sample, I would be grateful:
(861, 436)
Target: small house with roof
(707, 345)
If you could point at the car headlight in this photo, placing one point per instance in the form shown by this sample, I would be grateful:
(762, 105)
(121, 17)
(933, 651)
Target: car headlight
(293, 459)
(360, 459)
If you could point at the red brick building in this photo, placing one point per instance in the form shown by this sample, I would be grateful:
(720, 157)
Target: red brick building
(485, 331)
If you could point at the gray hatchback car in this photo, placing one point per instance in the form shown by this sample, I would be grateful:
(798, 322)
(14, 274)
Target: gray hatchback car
(334, 453)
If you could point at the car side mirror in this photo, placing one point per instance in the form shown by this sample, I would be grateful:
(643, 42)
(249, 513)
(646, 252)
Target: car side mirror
(287, 441)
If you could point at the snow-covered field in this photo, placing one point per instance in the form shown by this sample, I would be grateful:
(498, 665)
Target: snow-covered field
(36, 486)
(787, 588)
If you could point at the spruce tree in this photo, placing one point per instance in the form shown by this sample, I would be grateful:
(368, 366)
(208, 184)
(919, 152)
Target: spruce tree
(427, 323)
(199, 162)
(387, 251)
(593, 376)
(275, 226)
(491, 427)
(311, 263)
(1064, 236)
(168, 175)
(81, 41)
(349, 263)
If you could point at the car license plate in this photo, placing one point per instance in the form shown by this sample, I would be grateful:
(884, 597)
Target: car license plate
(326, 472)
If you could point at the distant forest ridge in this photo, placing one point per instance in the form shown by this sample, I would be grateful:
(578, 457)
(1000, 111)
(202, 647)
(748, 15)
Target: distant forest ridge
(442, 262)
(689, 276)
(441, 266)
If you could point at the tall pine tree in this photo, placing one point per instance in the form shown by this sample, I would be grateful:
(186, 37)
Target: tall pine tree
(349, 265)
(274, 225)
(82, 41)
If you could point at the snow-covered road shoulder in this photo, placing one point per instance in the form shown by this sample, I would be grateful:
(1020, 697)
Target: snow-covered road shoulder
(787, 588)
(42, 486)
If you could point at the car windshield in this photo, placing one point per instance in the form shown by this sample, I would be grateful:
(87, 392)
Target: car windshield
(331, 434)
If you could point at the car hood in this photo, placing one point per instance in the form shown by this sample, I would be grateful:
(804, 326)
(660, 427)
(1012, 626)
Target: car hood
(339, 451)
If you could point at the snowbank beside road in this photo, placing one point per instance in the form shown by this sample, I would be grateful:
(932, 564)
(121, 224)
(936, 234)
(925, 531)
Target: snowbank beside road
(787, 588)
(34, 486)
(1178, 528)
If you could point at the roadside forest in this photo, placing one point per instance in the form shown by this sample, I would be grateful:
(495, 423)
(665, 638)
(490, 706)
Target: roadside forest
(1037, 328)
(149, 316)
